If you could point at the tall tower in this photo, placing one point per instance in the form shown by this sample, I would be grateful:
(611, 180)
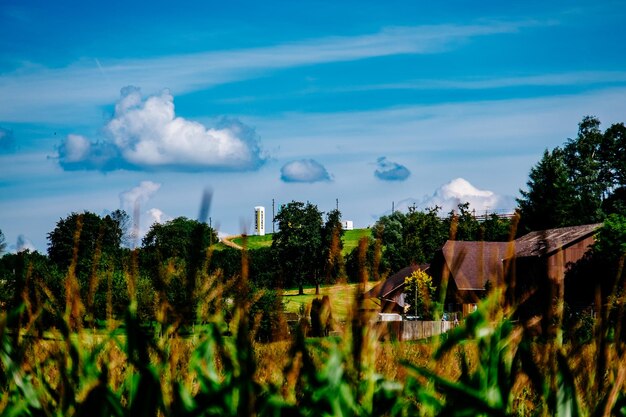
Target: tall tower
(259, 221)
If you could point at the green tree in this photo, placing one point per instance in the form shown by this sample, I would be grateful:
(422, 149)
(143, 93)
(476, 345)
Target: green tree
(391, 231)
(332, 246)
(3, 243)
(87, 236)
(419, 294)
(176, 254)
(590, 178)
(580, 183)
(423, 234)
(548, 202)
(495, 229)
(298, 243)
(462, 224)
(613, 155)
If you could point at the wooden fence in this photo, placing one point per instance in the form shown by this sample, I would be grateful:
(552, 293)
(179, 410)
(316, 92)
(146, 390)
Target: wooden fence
(412, 330)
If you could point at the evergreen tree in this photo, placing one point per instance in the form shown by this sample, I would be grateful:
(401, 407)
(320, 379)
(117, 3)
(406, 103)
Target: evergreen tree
(548, 202)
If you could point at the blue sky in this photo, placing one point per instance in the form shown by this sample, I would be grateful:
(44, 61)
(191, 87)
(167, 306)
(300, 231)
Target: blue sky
(149, 104)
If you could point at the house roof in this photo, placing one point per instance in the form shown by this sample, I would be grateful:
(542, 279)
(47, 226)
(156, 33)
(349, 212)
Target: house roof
(472, 264)
(546, 242)
(394, 282)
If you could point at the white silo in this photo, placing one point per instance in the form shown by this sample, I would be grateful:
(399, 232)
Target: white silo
(259, 221)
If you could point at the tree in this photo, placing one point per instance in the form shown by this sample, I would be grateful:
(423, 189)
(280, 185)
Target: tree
(298, 243)
(549, 200)
(463, 225)
(590, 178)
(419, 294)
(176, 253)
(332, 246)
(580, 183)
(3, 243)
(87, 236)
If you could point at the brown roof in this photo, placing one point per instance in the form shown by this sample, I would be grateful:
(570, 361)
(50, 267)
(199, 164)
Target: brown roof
(394, 282)
(545, 242)
(472, 264)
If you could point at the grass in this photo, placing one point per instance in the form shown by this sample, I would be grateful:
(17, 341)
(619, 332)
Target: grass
(341, 299)
(350, 240)
(255, 242)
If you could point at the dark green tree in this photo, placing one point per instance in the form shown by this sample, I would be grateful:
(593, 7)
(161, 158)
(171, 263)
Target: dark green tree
(88, 236)
(3, 243)
(390, 230)
(613, 155)
(588, 175)
(495, 229)
(548, 202)
(332, 246)
(462, 224)
(580, 183)
(176, 254)
(298, 243)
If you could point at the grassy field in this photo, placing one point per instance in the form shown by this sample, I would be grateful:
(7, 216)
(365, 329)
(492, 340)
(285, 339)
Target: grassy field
(255, 242)
(341, 298)
(350, 240)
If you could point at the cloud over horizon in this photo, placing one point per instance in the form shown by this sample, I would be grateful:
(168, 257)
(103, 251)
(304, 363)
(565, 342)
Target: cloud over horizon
(390, 171)
(146, 134)
(304, 170)
(459, 191)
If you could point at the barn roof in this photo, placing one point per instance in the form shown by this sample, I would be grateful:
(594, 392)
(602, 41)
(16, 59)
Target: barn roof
(472, 264)
(546, 242)
(394, 282)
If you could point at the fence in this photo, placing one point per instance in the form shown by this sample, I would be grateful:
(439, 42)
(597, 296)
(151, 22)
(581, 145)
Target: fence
(413, 330)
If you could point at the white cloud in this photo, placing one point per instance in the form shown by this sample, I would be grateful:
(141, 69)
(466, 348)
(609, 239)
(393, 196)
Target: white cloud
(147, 134)
(485, 83)
(156, 215)
(37, 93)
(138, 195)
(304, 170)
(390, 171)
(75, 148)
(459, 191)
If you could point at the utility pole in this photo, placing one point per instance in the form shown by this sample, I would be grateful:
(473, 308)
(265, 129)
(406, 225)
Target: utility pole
(273, 215)
(393, 207)
(337, 202)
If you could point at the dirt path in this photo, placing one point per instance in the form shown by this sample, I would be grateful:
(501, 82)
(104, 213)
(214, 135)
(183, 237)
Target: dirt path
(228, 242)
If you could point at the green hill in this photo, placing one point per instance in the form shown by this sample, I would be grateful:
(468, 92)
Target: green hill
(350, 240)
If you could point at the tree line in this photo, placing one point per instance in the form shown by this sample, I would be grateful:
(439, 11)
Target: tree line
(177, 265)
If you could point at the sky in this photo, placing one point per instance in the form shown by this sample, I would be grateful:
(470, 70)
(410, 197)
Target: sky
(149, 106)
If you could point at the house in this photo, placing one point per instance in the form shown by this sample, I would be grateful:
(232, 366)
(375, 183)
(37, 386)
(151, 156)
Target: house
(468, 269)
(536, 274)
(391, 291)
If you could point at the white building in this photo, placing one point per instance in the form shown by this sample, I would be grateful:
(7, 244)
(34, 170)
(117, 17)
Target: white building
(347, 225)
(259, 221)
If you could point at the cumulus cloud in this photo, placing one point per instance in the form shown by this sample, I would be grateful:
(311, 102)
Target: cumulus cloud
(7, 140)
(390, 171)
(156, 215)
(304, 170)
(138, 195)
(146, 134)
(459, 191)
